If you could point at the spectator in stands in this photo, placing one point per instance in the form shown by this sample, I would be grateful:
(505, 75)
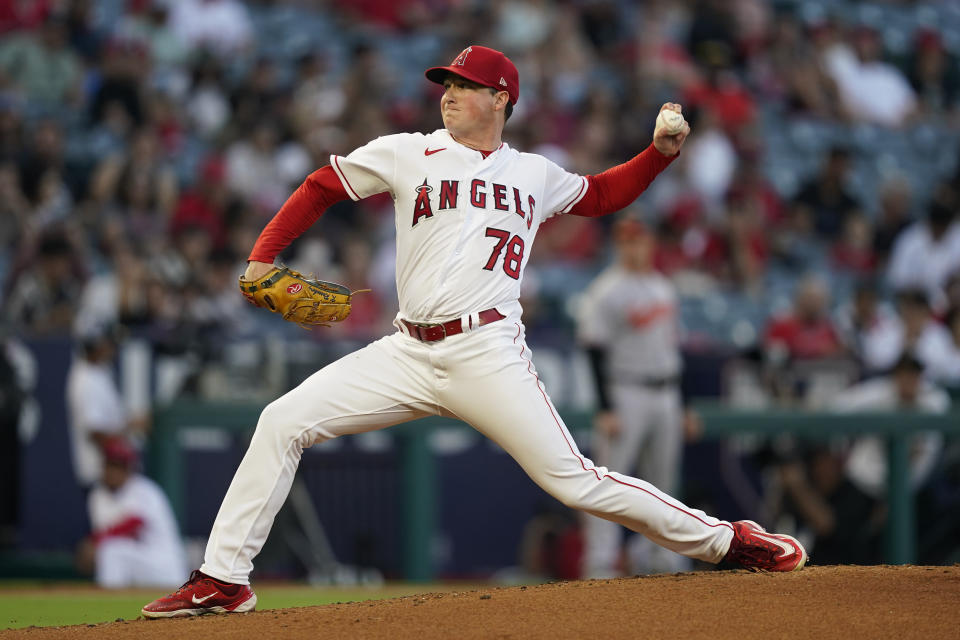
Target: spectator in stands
(722, 93)
(788, 71)
(712, 32)
(12, 140)
(258, 98)
(119, 295)
(210, 305)
(923, 337)
(870, 329)
(207, 203)
(664, 64)
(318, 99)
(853, 253)
(220, 26)
(945, 369)
(826, 195)
(927, 252)
(903, 389)
(46, 285)
(83, 32)
(135, 540)
(806, 332)
(795, 244)
(121, 87)
(895, 214)
(138, 185)
(846, 523)
(253, 168)
(147, 24)
(14, 209)
(45, 155)
(952, 290)
(355, 260)
(803, 357)
(870, 89)
(710, 162)
(933, 73)
(41, 66)
(524, 25)
(207, 108)
(753, 189)
(24, 15)
(187, 257)
(840, 497)
(738, 251)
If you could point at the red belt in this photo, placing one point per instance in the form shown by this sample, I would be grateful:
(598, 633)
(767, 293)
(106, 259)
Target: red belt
(435, 332)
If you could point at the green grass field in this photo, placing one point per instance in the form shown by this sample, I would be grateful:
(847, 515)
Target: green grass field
(23, 604)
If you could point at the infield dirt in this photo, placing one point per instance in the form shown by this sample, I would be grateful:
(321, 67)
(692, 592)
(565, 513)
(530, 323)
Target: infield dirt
(819, 602)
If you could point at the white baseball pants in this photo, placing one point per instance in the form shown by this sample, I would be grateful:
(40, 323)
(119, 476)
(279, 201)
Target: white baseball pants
(122, 563)
(650, 442)
(484, 377)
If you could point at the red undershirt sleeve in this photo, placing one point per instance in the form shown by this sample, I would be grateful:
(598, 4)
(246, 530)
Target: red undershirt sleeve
(321, 189)
(617, 187)
(127, 528)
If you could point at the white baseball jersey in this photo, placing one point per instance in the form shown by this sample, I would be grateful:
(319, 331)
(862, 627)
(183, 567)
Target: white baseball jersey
(156, 556)
(634, 316)
(94, 405)
(465, 223)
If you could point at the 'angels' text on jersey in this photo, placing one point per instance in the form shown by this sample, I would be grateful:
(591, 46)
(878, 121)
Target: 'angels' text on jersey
(502, 198)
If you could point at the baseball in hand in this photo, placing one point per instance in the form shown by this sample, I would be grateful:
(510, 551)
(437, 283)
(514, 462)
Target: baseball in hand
(671, 121)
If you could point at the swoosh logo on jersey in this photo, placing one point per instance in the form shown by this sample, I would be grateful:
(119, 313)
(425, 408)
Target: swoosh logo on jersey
(787, 549)
(197, 600)
(430, 152)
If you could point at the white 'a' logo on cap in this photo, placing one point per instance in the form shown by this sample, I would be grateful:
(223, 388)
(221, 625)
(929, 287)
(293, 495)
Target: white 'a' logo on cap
(462, 58)
(502, 81)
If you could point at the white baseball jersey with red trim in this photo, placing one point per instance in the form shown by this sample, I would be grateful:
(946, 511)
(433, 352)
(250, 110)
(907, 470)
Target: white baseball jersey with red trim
(465, 226)
(155, 556)
(465, 223)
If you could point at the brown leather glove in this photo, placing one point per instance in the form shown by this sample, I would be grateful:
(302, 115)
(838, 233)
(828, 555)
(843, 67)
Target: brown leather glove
(306, 301)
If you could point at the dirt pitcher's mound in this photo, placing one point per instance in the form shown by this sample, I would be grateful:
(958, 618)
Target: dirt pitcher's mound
(818, 602)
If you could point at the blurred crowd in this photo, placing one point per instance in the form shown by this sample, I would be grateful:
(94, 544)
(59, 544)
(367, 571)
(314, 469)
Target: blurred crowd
(812, 217)
(145, 143)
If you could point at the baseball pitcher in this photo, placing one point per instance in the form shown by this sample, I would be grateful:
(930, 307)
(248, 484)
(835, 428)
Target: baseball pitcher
(468, 208)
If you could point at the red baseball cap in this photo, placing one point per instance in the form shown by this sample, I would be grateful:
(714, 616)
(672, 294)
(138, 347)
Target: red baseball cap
(482, 65)
(119, 451)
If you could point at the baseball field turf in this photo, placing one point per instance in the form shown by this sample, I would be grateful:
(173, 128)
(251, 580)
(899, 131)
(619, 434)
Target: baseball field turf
(25, 604)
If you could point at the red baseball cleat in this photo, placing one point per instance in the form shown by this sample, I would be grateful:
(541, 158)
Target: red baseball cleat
(202, 594)
(753, 548)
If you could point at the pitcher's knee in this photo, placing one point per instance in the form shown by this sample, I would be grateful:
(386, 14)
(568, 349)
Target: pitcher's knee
(277, 420)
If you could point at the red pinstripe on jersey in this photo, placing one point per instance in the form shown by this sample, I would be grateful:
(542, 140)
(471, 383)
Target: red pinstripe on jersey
(583, 464)
(343, 176)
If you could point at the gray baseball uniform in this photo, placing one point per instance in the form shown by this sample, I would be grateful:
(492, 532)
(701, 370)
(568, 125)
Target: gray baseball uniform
(631, 316)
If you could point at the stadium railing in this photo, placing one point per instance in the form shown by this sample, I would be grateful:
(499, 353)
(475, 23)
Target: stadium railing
(418, 466)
